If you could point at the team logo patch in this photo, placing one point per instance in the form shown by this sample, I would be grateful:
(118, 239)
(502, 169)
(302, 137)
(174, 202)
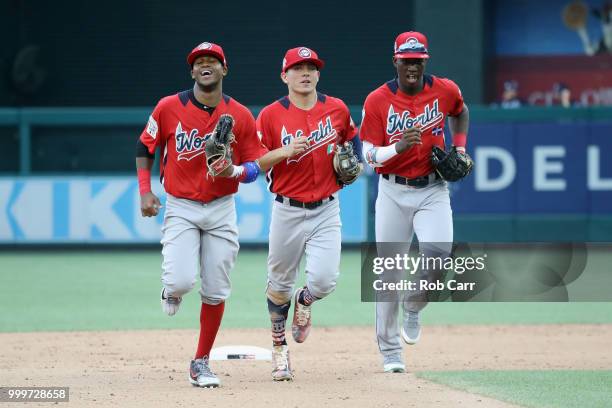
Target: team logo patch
(205, 46)
(304, 52)
(413, 43)
(152, 127)
(330, 148)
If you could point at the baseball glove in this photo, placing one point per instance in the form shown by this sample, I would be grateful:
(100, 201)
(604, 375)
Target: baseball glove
(346, 164)
(218, 147)
(452, 165)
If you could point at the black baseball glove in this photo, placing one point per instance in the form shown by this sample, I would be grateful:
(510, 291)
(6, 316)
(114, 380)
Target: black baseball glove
(346, 164)
(452, 165)
(218, 147)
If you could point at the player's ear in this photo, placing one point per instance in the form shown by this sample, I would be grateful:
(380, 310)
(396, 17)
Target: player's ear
(283, 77)
(225, 71)
(394, 60)
(191, 73)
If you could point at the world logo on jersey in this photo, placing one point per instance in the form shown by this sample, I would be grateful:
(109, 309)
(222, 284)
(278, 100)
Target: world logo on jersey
(398, 122)
(189, 145)
(324, 133)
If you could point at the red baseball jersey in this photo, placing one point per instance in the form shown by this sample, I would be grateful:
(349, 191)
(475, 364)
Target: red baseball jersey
(179, 126)
(310, 175)
(388, 111)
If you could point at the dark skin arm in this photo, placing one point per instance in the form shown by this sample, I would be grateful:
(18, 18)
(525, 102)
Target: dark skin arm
(460, 123)
(149, 203)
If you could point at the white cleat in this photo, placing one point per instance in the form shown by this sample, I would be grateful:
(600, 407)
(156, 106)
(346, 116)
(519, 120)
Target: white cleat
(411, 329)
(170, 305)
(200, 374)
(282, 364)
(394, 364)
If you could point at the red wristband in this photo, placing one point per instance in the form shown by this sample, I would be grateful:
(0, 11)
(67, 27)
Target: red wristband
(144, 181)
(459, 139)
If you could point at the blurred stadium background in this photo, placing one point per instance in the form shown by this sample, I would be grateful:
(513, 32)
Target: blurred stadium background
(76, 90)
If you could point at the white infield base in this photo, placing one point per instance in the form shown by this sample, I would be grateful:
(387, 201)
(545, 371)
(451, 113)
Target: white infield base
(240, 353)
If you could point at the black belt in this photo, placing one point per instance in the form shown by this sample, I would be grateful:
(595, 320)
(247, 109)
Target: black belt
(309, 206)
(418, 182)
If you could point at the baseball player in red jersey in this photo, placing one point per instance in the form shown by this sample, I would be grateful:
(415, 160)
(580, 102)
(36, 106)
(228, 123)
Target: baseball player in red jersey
(402, 120)
(200, 235)
(306, 213)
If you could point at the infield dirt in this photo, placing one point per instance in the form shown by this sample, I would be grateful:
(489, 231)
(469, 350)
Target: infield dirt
(334, 367)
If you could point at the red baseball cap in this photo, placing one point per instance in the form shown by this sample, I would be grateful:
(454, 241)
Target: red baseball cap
(301, 54)
(411, 44)
(207, 48)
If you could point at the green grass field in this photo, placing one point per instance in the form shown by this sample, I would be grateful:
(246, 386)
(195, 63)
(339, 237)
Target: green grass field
(116, 290)
(552, 388)
(105, 290)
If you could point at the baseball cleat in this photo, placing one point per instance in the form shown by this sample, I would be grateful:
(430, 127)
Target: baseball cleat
(394, 364)
(170, 304)
(411, 329)
(300, 327)
(282, 364)
(200, 374)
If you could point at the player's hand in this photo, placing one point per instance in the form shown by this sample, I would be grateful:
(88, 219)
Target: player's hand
(149, 205)
(410, 137)
(298, 145)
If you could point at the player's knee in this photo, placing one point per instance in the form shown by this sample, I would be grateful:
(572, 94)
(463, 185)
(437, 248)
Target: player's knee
(322, 286)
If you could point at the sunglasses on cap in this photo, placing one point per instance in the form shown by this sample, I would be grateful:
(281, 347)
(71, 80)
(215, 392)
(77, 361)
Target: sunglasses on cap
(412, 46)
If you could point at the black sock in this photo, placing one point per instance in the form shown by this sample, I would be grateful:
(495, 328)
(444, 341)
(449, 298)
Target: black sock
(306, 298)
(278, 317)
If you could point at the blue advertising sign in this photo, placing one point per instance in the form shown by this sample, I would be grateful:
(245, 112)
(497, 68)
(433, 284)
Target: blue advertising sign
(537, 168)
(107, 210)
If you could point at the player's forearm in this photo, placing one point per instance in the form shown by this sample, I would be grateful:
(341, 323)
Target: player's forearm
(144, 163)
(273, 157)
(459, 127)
(143, 171)
(144, 159)
(376, 156)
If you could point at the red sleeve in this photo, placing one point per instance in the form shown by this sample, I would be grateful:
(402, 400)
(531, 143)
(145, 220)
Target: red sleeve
(350, 130)
(151, 135)
(249, 145)
(456, 99)
(263, 130)
(372, 127)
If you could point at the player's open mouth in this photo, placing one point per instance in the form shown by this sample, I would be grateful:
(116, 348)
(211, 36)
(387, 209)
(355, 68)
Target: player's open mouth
(305, 82)
(206, 73)
(412, 77)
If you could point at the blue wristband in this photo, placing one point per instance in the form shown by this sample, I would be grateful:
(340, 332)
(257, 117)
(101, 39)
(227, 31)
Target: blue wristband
(251, 171)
